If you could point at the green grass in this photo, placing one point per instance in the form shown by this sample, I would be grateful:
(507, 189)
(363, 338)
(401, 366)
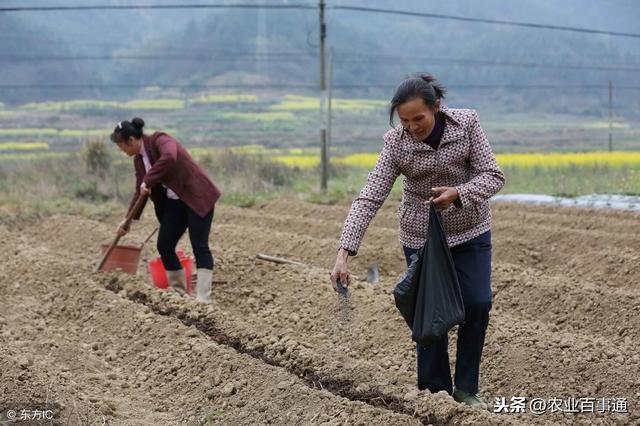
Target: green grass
(34, 188)
(331, 197)
(605, 125)
(245, 200)
(50, 132)
(23, 146)
(211, 416)
(288, 120)
(29, 131)
(572, 181)
(208, 99)
(137, 104)
(15, 209)
(31, 156)
(285, 129)
(262, 117)
(540, 122)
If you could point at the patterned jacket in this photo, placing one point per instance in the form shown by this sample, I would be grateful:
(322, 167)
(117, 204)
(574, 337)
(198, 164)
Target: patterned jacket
(173, 167)
(463, 160)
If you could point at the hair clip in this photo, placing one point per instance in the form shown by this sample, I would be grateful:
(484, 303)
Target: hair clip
(119, 126)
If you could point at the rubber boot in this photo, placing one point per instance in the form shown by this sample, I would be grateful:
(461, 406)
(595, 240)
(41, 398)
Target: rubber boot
(469, 399)
(178, 281)
(203, 288)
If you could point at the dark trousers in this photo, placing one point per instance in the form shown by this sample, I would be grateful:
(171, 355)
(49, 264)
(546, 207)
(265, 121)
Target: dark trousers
(175, 218)
(473, 265)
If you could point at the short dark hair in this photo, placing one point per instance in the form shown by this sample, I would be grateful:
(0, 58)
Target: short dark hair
(423, 86)
(126, 129)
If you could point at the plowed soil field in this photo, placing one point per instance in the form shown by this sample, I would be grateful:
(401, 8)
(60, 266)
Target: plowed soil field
(278, 346)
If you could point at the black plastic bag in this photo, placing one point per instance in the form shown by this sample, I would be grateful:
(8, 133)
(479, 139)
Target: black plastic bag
(433, 284)
(406, 289)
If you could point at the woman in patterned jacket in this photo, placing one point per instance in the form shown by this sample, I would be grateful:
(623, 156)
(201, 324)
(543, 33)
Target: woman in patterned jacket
(445, 158)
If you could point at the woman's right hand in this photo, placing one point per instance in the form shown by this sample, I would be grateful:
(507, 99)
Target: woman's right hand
(340, 270)
(122, 228)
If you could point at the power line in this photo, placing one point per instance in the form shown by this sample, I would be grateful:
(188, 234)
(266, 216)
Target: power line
(496, 86)
(304, 6)
(193, 48)
(485, 21)
(157, 6)
(492, 63)
(303, 86)
(295, 57)
(162, 86)
(207, 57)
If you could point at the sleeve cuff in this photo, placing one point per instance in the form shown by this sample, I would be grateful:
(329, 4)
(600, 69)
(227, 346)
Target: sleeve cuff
(351, 252)
(463, 201)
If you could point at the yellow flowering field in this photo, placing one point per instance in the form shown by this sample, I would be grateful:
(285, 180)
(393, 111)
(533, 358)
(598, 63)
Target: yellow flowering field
(263, 117)
(301, 161)
(23, 146)
(553, 160)
(208, 99)
(85, 104)
(302, 103)
(50, 132)
(137, 104)
(29, 131)
(609, 159)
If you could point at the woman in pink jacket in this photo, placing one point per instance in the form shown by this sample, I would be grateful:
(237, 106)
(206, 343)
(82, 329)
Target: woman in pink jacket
(444, 158)
(183, 197)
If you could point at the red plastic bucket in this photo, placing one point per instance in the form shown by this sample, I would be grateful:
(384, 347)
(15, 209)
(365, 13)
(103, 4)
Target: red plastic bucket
(159, 274)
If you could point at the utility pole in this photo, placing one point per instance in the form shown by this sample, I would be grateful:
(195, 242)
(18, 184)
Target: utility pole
(329, 117)
(610, 116)
(323, 101)
(262, 46)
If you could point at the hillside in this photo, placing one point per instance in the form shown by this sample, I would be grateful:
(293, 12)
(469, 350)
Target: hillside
(256, 46)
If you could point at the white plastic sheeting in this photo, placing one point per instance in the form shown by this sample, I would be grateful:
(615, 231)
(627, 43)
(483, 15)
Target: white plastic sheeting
(594, 201)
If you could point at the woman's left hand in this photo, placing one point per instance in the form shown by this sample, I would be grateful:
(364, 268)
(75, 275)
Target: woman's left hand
(445, 197)
(144, 190)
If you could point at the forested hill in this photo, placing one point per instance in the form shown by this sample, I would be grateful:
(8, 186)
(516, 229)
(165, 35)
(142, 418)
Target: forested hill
(258, 46)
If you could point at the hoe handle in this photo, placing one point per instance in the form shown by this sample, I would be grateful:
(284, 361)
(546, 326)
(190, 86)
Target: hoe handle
(136, 208)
